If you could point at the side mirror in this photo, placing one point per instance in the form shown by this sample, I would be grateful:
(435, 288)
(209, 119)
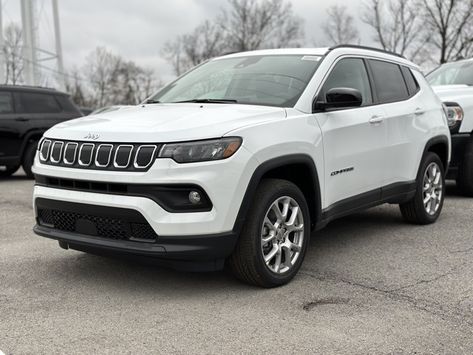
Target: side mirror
(339, 98)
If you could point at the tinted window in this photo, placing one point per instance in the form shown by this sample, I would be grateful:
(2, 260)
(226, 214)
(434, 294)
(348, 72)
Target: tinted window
(66, 104)
(390, 85)
(37, 103)
(6, 104)
(411, 82)
(349, 73)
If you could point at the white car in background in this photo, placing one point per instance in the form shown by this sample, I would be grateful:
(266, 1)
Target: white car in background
(453, 83)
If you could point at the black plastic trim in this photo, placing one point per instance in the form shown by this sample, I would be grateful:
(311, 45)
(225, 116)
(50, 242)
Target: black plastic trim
(169, 197)
(366, 48)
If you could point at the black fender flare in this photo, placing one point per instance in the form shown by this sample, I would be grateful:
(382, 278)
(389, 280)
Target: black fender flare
(269, 165)
(441, 139)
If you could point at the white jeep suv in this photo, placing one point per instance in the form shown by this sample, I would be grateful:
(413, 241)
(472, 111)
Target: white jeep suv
(453, 83)
(241, 158)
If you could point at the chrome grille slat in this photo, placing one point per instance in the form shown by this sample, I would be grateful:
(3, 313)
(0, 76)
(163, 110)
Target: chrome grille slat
(88, 155)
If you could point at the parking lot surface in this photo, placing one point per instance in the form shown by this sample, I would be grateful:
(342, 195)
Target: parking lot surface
(369, 284)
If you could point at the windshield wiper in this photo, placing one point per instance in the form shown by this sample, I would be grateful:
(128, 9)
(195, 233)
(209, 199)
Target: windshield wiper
(151, 101)
(208, 101)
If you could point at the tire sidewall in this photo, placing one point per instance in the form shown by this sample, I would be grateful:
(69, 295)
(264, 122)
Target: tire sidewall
(429, 159)
(28, 159)
(293, 192)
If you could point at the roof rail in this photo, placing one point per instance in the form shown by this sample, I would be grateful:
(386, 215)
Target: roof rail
(367, 48)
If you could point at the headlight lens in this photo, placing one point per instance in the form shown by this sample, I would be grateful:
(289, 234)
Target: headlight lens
(198, 151)
(454, 114)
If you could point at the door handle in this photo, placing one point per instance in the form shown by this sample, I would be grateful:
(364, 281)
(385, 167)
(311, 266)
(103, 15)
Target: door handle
(419, 111)
(21, 119)
(376, 119)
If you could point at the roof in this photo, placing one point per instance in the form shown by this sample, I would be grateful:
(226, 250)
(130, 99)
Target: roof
(345, 48)
(31, 89)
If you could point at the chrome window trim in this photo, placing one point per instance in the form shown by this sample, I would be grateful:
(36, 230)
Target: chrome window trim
(41, 157)
(64, 160)
(109, 155)
(135, 163)
(60, 152)
(129, 156)
(91, 154)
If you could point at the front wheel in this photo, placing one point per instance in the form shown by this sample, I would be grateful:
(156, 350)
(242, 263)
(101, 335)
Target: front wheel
(275, 237)
(426, 205)
(28, 159)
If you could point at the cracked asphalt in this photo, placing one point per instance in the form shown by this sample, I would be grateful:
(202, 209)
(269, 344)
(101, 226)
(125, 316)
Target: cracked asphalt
(369, 284)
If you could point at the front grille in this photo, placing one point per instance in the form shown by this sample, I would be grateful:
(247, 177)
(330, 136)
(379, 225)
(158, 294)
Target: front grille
(98, 156)
(117, 227)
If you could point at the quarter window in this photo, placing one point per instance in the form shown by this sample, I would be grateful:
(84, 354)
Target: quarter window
(389, 81)
(411, 81)
(349, 73)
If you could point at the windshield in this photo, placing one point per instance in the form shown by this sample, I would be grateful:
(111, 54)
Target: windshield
(277, 80)
(460, 73)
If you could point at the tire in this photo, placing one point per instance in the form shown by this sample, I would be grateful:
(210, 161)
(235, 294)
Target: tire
(431, 183)
(6, 171)
(247, 262)
(465, 171)
(28, 159)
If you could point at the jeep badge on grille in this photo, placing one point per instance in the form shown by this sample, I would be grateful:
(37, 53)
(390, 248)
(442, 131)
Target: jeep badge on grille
(92, 136)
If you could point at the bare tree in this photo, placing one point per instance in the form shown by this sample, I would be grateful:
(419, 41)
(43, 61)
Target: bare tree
(252, 24)
(248, 25)
(449, 24)
(340, 26)
(398, 26)
(12, 52)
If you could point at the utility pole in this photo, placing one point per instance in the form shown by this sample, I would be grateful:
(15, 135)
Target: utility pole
(57, 34)
(29, 42)
(2, 46)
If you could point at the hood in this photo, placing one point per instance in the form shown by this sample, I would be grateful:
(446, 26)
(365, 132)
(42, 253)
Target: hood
(164, 122)
(454, 93)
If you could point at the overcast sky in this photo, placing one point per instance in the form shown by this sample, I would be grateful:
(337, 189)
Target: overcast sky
(138, 29)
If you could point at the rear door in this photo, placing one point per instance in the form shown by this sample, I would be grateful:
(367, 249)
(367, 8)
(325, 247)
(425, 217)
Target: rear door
(354, 138)
(10, 128)
(40, 111)
(397, 93)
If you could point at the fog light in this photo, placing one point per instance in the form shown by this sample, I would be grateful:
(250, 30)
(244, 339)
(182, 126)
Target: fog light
(194, 197)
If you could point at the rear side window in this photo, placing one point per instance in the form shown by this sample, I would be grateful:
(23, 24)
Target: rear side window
(37, 103)
(6, 103)
(66, 104)
(411, 82)
(389, 81)
(350, 73)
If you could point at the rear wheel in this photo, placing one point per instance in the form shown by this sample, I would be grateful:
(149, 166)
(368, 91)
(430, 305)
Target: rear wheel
(6, 171)
(28, 159)
(426, 205)
(465, 172)
(275, 237)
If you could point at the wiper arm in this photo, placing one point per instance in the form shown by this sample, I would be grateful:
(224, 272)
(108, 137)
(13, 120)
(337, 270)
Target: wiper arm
(151, 101)
(208, 101)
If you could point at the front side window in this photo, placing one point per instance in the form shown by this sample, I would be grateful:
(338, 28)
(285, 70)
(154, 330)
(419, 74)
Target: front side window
(349, 73)
(460, 73)
(274, 80)
(389, 81)
(37, 103)
(6, 104)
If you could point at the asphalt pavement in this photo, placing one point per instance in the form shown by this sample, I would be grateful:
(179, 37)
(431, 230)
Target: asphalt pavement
(369, 284)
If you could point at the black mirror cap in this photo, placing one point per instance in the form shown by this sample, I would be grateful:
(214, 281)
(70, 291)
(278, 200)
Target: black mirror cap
(339, 98)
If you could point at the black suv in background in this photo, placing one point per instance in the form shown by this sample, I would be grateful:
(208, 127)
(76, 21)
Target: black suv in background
(25, 114)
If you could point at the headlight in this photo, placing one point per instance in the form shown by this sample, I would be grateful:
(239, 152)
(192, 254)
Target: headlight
(454, 114)
(197, 151)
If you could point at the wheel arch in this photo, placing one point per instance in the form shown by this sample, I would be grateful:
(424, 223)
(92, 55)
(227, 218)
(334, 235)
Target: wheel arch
(300, 169)
(440, 146)
(30, 136)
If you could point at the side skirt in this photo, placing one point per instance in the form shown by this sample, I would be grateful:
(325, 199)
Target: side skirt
(395, 193)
